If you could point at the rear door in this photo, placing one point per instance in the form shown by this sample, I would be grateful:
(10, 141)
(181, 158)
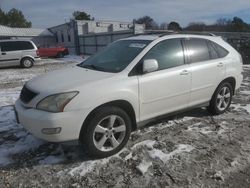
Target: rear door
(207, 70)
(167, 89)
(10, 53)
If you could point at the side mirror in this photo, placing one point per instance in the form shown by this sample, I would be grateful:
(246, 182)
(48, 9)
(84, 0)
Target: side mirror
(150, 65)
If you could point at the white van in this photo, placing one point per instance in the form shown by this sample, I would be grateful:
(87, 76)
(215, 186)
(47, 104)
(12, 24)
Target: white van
(18, 52)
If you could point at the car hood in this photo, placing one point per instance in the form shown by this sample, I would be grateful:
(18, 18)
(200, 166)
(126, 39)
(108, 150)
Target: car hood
(66, 79)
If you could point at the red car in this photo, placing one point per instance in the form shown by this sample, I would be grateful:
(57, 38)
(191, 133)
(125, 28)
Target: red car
(53, 52)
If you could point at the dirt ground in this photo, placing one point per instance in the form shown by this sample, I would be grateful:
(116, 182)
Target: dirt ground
(192, 149)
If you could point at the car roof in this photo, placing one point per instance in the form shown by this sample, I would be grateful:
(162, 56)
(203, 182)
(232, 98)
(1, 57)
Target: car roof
(15, 40)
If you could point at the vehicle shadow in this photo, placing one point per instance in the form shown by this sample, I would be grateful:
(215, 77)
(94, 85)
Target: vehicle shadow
(195, 113)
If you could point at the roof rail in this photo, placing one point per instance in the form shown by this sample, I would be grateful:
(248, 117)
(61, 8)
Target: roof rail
(196, 33)
(162, 33)
(156, 32)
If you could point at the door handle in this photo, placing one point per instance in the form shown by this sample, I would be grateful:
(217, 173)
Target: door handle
(184, 72)
(220, 64)
(3, 53)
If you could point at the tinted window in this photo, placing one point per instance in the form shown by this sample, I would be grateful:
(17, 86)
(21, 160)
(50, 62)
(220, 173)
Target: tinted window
(16, 45)
(24, 45)
(212, 51)
(168, 53)
(6, 46)
(198, 50)
(222, 52)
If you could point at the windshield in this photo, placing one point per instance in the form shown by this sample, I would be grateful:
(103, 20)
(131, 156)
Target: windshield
(116, 57)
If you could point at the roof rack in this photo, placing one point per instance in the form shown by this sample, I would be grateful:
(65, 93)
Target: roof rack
(196, 33)
(162, 33)
(156, 32)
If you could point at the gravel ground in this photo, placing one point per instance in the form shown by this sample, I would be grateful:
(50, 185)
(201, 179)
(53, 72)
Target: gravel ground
(192, 149)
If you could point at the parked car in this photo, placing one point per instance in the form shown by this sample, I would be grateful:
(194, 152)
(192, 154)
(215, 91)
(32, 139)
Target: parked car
(59, 52)
(133, 81)
(18, 52)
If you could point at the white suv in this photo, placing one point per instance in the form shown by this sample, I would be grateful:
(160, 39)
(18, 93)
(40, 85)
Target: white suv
(131, 82)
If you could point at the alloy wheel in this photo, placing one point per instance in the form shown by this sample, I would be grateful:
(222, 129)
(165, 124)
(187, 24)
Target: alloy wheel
(223, 98)
(109, 133)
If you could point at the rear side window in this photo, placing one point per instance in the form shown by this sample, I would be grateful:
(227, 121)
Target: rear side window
(221, 52)
(16, 46)
(198, 50)
(168, 53)
(25, 45)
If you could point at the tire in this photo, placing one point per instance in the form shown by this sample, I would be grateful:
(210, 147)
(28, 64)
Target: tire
(60, 55)
(221, 99)
(27, 63)
(106, 133)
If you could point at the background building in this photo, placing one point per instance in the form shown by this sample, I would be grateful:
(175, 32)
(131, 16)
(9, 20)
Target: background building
(88, 37)
(41, 37)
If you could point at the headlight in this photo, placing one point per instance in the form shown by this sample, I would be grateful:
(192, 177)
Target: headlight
(57, 102)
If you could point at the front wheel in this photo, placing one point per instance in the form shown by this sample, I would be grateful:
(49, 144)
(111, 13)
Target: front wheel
(106, 133)
(221, 99)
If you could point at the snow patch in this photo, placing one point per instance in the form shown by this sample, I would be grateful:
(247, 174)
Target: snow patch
(148, 143)
(19, 140)
(22, 145)
(87, 167)
(196, 127)
(143, 166)
(239, 106)
(129, 156)
(245, 92)
(156, 153)
(9, 96)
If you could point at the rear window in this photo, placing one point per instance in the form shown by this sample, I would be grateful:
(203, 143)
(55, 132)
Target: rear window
(16, 46)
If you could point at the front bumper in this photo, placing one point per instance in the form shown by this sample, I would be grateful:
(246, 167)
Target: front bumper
(35, 121)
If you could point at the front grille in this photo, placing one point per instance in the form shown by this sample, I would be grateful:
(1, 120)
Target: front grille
(27, 95)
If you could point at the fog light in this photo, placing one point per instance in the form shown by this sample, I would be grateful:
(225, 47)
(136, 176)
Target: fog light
(52, 130)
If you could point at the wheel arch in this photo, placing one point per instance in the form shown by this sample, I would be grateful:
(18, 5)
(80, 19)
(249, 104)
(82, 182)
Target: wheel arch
(123, 104)
(27, 56)
(231, 80)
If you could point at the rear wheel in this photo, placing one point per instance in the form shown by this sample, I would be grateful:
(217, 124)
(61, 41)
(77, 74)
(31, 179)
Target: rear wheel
(106, 133)
(221, 99)
(27, 63)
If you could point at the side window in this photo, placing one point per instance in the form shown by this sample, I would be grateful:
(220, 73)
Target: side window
(198, 50)
(24, 45)
(168, 53)
(222, 52)
(7, 46)
(212, 51)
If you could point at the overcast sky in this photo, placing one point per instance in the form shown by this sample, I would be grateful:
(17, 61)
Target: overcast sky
(46, 13)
